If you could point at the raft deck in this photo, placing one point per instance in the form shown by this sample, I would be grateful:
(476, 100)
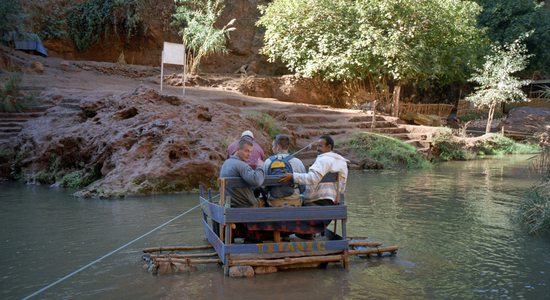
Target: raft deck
(246, 259)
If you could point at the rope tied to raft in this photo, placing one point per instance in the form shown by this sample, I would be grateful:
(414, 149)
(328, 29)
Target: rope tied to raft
(109, 254)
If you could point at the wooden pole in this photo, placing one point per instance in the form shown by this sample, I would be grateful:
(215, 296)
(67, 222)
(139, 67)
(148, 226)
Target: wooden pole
(194, 255)
(396, 95)
(286, 261)
(364, 244)
(177, 248)
(374, 250)
(188, 261)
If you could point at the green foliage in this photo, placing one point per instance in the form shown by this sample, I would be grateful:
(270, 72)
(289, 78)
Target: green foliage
(448, 147)
(479, 116)
(80, 178)
(44, 177)
(496, 80)
(11, 16)
(501, 145)
(392, 153)
(266, 123)
(507, 20)
(196, 20)
(11, 98)
(404, 40)
(534, 211)
(87, 20)
(49, 22)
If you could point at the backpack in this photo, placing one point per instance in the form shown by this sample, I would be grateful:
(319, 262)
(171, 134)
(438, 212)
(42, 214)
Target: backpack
(279, 167)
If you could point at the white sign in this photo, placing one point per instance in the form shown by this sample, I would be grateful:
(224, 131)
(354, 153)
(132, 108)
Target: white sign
(173, 54)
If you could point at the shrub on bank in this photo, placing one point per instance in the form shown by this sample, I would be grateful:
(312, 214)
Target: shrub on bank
(447, 147)
(391, 152)
(534, 211)
(266, 122)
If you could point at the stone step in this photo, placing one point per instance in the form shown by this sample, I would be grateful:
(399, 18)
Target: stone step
(22, 115)
(419, 144)
(10, 129)
(35, 109)
(75, 106)
(326, 117)
(31, 88)
(331, 126)
(12, 124)
(387, 130)
(13, 120)
(7, 135)
(70, 101)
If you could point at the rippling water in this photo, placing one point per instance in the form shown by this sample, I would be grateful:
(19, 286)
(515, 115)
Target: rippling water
(454, 226)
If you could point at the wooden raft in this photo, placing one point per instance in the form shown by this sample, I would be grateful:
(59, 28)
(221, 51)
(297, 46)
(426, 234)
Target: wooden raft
(245, 260)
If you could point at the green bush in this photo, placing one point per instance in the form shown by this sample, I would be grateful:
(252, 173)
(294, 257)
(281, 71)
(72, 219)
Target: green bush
(11, 16)
(392, 153)
(11, 98)
(479, 116)
(87, 21)
(448, 147)
(80, 178)
(266, 123)
(535, 209)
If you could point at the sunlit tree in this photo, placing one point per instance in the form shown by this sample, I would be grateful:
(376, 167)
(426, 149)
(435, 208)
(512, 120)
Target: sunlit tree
(196, 19)
(496, 80)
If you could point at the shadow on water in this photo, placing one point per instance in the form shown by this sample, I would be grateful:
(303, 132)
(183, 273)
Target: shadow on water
(452, 224)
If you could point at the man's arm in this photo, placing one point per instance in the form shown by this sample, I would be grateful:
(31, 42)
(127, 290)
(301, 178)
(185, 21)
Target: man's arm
(255, 178)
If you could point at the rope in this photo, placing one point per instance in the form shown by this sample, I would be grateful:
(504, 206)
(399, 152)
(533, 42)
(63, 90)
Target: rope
(107, 255)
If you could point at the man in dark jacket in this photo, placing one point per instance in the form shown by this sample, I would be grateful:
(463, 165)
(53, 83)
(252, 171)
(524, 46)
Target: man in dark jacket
(236, 166)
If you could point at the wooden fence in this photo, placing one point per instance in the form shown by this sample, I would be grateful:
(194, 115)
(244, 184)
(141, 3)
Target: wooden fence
(441, 110)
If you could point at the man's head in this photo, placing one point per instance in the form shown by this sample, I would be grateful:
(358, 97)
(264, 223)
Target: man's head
(245, 148)
(325, 144)
(247, 133)
(281, 143)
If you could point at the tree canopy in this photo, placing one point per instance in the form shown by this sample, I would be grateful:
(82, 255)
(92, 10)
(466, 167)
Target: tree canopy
(507, 20)
(409, 41)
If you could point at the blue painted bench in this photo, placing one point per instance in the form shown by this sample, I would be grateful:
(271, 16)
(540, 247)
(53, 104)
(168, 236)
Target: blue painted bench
(333, 248)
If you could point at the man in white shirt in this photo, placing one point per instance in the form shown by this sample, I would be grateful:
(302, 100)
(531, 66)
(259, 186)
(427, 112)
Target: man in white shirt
(327, 161)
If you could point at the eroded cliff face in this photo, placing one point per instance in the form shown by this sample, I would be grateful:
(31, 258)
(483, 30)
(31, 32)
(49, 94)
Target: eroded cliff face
(145, 48)
(137, 143)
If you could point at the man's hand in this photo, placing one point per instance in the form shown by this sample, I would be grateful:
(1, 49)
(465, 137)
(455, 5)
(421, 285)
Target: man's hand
(259, 164)
(287, 177)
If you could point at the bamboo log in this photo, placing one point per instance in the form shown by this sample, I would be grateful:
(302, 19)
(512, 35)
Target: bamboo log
(364, 244)
(188, 261)
(286, 261)
(247, 256)
(374, 250)
(194, 255)
(176, 248)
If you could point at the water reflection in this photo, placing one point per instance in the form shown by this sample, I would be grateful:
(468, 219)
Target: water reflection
(452, 223)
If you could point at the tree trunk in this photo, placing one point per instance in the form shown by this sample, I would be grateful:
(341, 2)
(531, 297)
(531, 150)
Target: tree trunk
(490, 117)
(372, 124)
(396, 96)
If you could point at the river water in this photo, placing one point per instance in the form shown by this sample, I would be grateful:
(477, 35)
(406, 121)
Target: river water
(453, 223)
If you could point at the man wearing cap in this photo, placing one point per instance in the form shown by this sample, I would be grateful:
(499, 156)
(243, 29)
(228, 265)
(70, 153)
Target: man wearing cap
(257, 152)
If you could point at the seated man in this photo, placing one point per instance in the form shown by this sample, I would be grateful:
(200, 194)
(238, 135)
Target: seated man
(278, 164)
(256, 153)
(236, 166)
(318, 193)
